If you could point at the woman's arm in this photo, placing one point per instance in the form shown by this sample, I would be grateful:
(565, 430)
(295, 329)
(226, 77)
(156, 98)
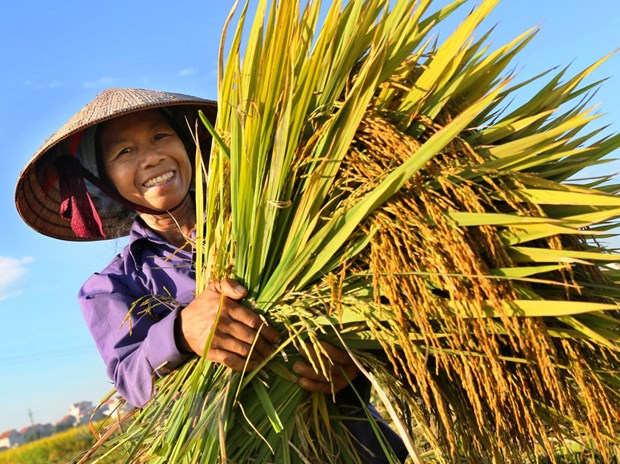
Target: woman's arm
(134, 348)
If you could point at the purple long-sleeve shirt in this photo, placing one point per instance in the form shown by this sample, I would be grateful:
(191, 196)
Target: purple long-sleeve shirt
(138, 347)
(135, 348)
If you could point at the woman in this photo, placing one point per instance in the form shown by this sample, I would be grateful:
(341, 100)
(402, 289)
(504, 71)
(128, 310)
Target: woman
(125, 156)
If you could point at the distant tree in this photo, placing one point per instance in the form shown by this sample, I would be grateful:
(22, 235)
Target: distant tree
(65, 423)
(33, 435)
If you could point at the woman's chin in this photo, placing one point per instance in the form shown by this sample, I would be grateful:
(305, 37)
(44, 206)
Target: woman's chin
(164, 198)
(165, 204)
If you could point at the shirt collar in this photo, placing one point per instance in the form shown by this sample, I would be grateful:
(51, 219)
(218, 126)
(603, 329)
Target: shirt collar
(140, 231)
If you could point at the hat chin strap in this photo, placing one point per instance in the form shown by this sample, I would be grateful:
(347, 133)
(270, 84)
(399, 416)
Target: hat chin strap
(75, 202)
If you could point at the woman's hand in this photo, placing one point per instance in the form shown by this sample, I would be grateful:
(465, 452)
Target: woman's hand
(235, 332)
(341, 370)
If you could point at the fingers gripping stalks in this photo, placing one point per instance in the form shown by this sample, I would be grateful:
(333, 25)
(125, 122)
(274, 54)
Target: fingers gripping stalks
(236, 334)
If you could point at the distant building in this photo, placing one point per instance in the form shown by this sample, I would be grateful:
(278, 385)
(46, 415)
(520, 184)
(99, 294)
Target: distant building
(81, 412)
(11, 438)
(114, 405)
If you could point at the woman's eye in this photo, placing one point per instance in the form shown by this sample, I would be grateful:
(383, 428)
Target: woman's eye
(160, 136)
(123, 151)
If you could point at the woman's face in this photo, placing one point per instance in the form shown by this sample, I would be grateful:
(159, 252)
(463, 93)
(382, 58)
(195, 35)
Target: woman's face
(146, 160)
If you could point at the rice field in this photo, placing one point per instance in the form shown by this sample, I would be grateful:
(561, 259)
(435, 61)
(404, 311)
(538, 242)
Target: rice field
(61, 448)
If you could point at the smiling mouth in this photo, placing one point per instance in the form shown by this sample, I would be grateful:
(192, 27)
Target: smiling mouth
(155, 181)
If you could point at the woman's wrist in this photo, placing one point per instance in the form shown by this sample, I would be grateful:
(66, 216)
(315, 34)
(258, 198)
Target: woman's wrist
(179, 337)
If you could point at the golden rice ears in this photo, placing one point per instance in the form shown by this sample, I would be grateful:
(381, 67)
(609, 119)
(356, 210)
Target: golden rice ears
(474, 356)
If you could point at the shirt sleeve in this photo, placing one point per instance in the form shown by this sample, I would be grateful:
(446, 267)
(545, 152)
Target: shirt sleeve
(134, 349)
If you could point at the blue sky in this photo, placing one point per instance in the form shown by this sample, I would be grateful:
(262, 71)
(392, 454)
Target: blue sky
(57, 58)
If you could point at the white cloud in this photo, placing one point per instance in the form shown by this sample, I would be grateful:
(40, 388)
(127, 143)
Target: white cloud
(11, 271)
(43, 85)
(103, 82)
(186, 72)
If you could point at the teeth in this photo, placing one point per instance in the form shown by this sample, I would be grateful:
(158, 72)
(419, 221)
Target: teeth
(159, 180)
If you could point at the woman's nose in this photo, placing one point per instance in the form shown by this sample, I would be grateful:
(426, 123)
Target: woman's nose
(150, 156)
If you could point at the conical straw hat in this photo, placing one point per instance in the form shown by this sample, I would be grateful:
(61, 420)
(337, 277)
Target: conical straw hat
(37, 194)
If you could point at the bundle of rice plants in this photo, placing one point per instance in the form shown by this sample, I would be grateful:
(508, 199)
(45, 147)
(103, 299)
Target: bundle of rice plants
(373, 188)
